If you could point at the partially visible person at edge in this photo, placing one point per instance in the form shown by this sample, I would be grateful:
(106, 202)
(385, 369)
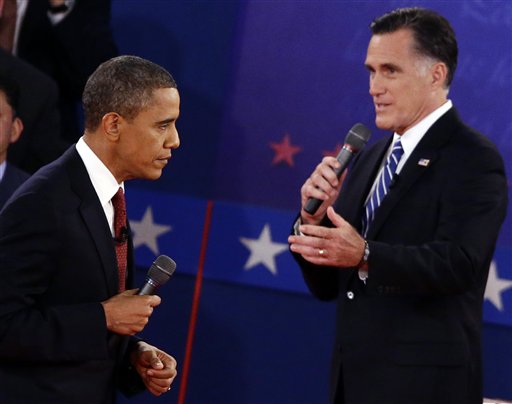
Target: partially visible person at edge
(410, 282)
(11, 127)
(65, 39)
(37, 107)
(67, 324)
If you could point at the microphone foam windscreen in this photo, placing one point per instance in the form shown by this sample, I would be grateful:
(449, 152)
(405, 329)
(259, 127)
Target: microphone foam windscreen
(358, 136)
(162, 269)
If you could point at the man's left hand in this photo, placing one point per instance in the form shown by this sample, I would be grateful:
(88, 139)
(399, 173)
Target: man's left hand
(341, 246)
(156, 368)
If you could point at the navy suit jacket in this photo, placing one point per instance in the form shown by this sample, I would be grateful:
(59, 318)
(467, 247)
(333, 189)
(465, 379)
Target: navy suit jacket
(58, 264)
(12, 179)
(412, 333)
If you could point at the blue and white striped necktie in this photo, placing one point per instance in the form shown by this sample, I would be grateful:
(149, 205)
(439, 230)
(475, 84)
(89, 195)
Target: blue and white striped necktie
(382, 186)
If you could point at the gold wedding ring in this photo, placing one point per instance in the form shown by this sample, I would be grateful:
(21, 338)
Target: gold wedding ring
(322, 251)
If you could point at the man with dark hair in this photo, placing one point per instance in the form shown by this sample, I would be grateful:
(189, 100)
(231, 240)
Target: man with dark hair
(11, 127)
(66, 319)
(405, 242)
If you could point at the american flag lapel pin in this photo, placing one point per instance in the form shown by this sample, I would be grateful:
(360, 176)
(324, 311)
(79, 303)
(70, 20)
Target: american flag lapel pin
(424, 162)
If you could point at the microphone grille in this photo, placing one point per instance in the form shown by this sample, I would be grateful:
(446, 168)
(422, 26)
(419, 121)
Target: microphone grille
(162, 269)
(358, 136)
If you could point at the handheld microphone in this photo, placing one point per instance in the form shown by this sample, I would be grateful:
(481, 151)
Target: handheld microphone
(158, 274)
(356, 139)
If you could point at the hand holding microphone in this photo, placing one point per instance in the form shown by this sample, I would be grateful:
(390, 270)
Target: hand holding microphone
(322, 184)
(128, 313)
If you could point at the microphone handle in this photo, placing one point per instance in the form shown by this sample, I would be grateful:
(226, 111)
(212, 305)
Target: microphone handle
(149, 288)
(312, 205)
(344, 157)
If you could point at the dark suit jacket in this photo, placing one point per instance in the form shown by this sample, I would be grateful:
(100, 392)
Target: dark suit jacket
(57, 263)
(12, 179)
(412, 334)
(40, 142)
(69, 51)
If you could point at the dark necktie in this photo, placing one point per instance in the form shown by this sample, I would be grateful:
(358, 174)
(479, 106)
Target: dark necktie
(8, 25)
(121, 236)
(382, 186)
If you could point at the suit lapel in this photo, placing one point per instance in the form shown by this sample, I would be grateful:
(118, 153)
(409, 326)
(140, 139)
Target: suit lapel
(423, 158)
(94, 219)
(360, 180)
(100, 234)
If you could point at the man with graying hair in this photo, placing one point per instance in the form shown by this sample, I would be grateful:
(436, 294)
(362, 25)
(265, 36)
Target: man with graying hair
(405, 242)
(68, 315)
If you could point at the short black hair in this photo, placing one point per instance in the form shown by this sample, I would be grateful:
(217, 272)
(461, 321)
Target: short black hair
(433, 34)
(125, 85)
(11, 90)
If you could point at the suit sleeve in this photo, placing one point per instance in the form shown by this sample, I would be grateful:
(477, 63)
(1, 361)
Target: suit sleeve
(32, 328)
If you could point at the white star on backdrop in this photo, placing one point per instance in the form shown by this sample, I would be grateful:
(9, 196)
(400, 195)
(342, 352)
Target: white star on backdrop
(263, 250)
(146, 231)
(495, 287)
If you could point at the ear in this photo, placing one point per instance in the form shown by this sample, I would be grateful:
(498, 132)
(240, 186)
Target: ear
(16, 129)
(111, 124)
(439, 73)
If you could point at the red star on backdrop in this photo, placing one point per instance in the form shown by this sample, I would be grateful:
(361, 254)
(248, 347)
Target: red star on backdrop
(333, 153)
(284, 151)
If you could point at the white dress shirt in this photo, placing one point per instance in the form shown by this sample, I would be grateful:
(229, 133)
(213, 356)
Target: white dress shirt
(103, 181)
(411, 138)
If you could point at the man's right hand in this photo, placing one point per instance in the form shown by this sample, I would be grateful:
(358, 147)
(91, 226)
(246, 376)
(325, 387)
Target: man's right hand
(322, 184)
(128, 313)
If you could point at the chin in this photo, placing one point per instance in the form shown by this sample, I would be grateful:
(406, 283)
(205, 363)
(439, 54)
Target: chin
(152, 175)
(158, 174)
(382, 124)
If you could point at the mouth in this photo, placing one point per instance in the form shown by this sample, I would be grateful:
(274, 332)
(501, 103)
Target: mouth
(380, 107)
(164, 160)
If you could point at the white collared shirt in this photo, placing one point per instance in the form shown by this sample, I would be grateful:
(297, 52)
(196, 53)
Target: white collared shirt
(103, 181)
(411, 138)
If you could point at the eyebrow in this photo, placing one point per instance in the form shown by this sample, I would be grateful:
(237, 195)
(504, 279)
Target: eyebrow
(385, 66)
(168, 120)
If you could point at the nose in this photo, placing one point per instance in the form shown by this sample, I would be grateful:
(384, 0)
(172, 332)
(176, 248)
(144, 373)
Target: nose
(376, 87)
(173, 139)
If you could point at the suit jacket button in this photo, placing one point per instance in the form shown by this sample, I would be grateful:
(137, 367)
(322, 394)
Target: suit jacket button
(350, 294)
